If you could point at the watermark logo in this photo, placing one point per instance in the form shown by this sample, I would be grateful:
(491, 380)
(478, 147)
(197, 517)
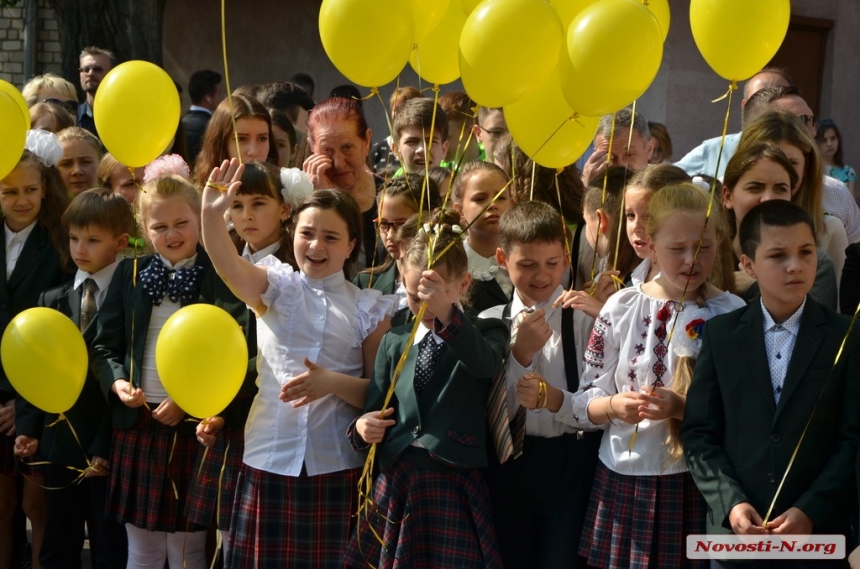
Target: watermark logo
(750, 547)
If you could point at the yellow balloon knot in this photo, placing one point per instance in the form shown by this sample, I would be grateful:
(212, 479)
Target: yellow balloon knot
(733, 86)
(558, 171)
(475, 111)
(435, 88)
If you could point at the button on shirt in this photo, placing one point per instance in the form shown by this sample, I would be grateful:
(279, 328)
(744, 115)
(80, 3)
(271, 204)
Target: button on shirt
(14, 246)
(779, 342)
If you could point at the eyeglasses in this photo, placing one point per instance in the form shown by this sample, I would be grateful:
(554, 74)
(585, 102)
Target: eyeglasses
(809, 120)
(494, 132)
(88, 68)
(386, 226)
(70, 106)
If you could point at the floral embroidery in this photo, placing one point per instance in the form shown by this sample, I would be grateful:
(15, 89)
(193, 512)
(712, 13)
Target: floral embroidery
(594, 352)
(660, 350)
(640, 349)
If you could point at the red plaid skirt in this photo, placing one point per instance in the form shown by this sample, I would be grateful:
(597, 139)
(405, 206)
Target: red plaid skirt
(297, 522)
(202, 504)
(642, 521)
(147, 486)
(428, 518)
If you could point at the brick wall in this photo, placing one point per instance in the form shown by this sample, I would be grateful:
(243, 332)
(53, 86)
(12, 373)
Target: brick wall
(48, 53)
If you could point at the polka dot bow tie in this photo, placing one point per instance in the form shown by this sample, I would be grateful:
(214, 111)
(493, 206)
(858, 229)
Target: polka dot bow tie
(180, 285)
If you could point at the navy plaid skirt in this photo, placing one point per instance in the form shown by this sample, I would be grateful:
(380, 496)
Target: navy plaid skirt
(642, 521)
(428, 517)
(148, 487)
(299, 522)
(202, 504)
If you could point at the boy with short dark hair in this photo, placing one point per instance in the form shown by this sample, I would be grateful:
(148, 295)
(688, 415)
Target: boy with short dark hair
(541, 493)
(411, 141)
(98, 223)
(764, 372)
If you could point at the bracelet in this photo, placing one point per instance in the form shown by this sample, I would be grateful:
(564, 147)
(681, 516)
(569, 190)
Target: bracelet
(220, 187)
(542, 394)
(608, 418)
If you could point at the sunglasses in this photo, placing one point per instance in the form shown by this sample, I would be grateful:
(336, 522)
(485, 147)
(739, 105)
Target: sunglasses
(70, 106)
(88, 68)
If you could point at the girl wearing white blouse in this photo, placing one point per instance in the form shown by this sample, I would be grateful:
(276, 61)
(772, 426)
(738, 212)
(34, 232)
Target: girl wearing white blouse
(318, 335)
(637, 368)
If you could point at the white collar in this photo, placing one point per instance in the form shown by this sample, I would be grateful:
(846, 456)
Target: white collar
(792, 324)
(255, 258)
(102, 277)
(423, 331)
(22, 235)
(517, 304)
(189, 262)
(199, 108)
(331, 282)
(482, 268)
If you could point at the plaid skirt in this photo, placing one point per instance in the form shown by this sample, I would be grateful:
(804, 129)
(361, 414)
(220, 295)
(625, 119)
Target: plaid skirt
(202, 504)
(427, 517)
(297, 522)
(151, 467)
(642, 521)
(11, 466)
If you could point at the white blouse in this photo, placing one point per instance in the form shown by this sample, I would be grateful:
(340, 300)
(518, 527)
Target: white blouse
(327, 322)
(487, 269)
(629, 349)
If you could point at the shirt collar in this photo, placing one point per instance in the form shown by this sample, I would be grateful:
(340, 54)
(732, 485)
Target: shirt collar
(517, 304)
(22, 235)
(189, 262)
(792, 324)
(423, 331)
(261, 254)
(482, 268)
(199, 108)
(328, 283)
(102, 277)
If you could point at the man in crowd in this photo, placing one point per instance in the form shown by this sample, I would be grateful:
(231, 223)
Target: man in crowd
(204, 88)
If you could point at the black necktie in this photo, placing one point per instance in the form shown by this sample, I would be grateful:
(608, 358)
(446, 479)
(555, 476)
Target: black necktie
(428, 351)
(88, 303)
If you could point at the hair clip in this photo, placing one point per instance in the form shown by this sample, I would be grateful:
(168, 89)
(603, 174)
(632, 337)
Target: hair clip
(45, 146)
(165, 166)
(296, 186)
(457, 229)
(700, 183)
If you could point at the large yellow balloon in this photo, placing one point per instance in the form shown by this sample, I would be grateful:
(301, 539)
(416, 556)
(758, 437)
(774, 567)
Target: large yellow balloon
(468, 6)
(568, 9)
(202, 357)
(426, 14)
(45, 358)
(738, 37)
(508, 48)
(12, 91)
(14, 134)
(661, 11)
(436, 58)
(534, 123)
(136, 111)
(614, 48)
(367, 40)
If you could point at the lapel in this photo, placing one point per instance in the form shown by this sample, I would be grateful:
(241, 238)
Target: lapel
(406, 389)
(138, 320)
(4, 283)
(385, 280)
(751, 338)
(31, 255)
(809, 338)
(493, 289)
(73, 298)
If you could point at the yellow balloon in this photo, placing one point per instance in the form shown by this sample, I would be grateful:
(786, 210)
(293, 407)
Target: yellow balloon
(367, 40)
(201, 356)
(568, 9)
(508, 48)
(14, 135)
(12, 91)
(45, 358)
(426, 14)
(468, 6)
(614, 51)
(546, 129)
(136, 111)
(436, 58)
(661, 11)
(738, 37)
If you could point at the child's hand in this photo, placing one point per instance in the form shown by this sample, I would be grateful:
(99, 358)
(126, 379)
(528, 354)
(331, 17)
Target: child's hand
(661, 403)
(168, 413)
(131, 396)
(431, 289)
(99, 467)
(580, 300)
(221, 187)
(625, 406)
(316, 167)
(532, 334)
(7, 418)
(208, 429)
(26, 447)
(372, 428)
(309, 386)
(605, 287)
(745, 520)
(793, 521)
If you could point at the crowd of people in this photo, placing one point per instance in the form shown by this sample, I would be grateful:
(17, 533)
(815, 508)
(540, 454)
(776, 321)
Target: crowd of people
(549, 368)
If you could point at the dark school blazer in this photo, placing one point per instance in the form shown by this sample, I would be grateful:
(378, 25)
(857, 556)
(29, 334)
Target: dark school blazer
(484, 295)
(383, 281)
(449, 417)
(738, 441)
(110, 354)
(89, 416)
(37, 270)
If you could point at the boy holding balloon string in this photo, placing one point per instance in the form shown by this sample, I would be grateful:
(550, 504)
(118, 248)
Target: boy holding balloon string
(98, 224)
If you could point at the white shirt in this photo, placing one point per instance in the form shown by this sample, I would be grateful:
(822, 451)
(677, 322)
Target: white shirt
(779, 340)
(150, 382)
(327, 322)
(255, 258)
(14, 246)
(639, 276)
(486, 268)
(201, 109)
(102, 279)
(621, 357)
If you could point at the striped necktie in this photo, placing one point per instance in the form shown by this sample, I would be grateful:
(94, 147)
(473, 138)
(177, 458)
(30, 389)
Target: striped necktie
(508, 437)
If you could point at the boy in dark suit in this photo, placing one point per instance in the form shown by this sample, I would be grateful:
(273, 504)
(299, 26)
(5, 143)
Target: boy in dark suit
(98, 223)
(765, 385)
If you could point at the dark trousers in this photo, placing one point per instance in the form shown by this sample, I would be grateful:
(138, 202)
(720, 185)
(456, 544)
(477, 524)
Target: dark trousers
(541, 498)
(68, 510)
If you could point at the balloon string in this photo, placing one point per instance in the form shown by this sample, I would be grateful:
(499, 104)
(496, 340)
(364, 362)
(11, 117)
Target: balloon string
(602, 206)
(227, 79)
(532, 182)
(567, 249)
(626, 170)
